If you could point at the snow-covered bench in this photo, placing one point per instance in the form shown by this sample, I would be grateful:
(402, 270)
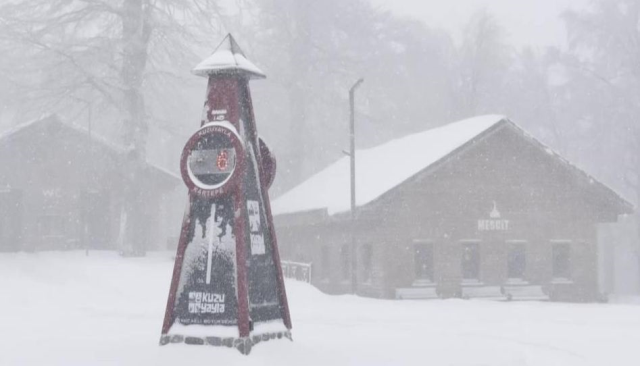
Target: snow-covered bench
(524, 291)
(472, 290)
(414, 293)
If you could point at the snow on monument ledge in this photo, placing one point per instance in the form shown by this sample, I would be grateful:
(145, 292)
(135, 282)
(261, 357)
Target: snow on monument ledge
(228, 58)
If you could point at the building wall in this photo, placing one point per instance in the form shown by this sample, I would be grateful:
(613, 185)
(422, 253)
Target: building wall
(70, 192)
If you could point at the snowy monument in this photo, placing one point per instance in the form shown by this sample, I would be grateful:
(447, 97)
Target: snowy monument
(227, 287)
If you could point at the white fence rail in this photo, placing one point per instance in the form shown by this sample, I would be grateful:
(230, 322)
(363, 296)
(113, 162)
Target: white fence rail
(297, 271)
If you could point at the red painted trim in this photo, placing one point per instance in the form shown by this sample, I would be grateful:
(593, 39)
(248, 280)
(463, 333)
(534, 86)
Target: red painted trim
(241, 263)
(286, 316)
(222, 94)
(264, 188)
(177, 269)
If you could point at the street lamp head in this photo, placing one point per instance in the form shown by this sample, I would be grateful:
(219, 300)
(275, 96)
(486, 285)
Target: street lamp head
(356, 85)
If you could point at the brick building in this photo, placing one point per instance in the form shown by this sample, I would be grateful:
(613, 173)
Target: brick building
(476, 208)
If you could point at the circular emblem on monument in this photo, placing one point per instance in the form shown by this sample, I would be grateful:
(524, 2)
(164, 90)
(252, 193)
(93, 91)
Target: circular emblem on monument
(213, 160)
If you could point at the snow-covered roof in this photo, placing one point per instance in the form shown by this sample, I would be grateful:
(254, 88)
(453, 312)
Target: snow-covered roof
(53, 119)
(23, 126)
(228, 57)
(381, 168)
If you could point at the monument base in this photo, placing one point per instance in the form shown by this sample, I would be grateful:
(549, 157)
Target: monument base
(243, 344)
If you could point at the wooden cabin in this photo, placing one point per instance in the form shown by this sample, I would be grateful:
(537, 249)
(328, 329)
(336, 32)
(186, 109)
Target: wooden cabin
(61, 188)
(476, 208)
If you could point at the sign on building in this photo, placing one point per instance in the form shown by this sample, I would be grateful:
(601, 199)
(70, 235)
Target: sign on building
(495, 222)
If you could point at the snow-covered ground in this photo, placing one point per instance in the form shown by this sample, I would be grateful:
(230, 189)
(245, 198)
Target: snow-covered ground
(68, 309)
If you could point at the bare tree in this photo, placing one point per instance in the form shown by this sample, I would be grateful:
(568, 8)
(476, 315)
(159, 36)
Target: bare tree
(107, 61)
(484, 59)
(605, 41)
(314, 51)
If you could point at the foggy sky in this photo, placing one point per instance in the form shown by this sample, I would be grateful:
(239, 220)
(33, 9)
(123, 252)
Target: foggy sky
(527, 22)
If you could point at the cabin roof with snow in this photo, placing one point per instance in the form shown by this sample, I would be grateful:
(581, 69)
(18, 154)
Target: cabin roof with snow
(49, 126)
(403, 158)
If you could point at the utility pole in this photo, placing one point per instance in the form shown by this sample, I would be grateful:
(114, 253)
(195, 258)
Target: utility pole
(352, 155)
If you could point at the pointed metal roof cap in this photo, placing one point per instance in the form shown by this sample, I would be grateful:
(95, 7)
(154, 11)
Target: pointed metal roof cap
(228, 58)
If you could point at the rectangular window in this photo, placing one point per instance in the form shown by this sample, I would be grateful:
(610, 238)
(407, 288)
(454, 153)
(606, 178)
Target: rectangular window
(423, 261)
(516, 260)
(561, 254)
(51, 226)
(367, 262)
(345, 259)
(325, 262)
(95, 220)
(10, 219)
(5, 216)
(4, 227)
(470, 261)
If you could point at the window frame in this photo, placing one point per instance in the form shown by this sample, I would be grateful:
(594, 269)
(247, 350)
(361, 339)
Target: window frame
(512, 244)
(52, 226)
(325, 262)
(367, 262)
(345, 262)
(562, 243)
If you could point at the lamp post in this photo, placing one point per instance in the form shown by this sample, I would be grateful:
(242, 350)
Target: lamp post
(352, 155)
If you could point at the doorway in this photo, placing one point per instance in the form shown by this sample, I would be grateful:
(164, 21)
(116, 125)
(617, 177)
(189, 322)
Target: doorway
(10, 220)
(95, 220)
